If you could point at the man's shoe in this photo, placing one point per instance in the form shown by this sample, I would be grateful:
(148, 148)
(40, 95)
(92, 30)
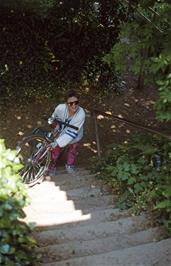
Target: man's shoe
(70, 169)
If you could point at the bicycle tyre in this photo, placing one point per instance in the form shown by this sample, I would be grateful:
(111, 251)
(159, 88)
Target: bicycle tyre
(32, 173)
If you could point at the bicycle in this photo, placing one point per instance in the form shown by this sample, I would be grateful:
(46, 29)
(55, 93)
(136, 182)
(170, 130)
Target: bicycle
(34, 151)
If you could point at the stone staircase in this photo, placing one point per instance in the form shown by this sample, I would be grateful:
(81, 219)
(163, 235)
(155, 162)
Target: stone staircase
(77, 224)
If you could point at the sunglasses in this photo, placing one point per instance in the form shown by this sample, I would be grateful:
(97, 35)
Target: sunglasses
(72, 103)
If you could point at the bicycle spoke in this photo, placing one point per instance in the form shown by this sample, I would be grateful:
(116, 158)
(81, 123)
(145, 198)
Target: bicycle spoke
(39, 168)
(24, 171)
(33, 174)
(26, 175)
(30, 174)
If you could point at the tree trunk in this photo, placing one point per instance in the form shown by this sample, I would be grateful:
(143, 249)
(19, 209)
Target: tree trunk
(141, 77)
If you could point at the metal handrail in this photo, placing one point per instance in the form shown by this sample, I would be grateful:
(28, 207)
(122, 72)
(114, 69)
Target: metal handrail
(96, 112)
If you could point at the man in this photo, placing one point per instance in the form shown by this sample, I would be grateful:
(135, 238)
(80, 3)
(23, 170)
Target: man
(73, 114)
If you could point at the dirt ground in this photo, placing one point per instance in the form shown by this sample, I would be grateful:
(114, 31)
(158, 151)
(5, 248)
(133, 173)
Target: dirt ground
(131, 104)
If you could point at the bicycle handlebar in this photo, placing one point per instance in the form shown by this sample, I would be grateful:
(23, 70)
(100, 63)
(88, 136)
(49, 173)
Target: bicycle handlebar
(65, 124)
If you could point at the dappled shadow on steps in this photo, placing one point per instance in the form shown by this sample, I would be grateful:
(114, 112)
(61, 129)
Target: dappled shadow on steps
(77, 224)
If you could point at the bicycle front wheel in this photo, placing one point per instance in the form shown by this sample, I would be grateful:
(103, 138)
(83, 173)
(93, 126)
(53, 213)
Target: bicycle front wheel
(35, 158)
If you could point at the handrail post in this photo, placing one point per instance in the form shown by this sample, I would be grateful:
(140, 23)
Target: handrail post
(97, 135)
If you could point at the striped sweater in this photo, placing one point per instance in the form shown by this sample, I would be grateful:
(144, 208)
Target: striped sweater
(69, 135)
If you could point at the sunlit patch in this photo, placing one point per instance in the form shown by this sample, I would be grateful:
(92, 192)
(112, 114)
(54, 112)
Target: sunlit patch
(125, 142)
(108, 113)
(6, 67)
(20, 133)
(54, 220)
(148, 103)
(120, 116)
(94, 142)
(51, 214)
(113, 127)
(39, 123)
(88, 145)
(29, 126)
(127, 104)
(100, 117)
(97, 77)
(18, 117)
(87, 89)
(27, 144)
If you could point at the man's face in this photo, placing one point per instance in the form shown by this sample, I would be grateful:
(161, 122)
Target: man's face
(72, 103)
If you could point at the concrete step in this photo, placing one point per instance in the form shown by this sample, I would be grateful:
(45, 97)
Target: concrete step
(63, 175)
(62, 203)
(84, 192)
(76, 182)
(93, 202)
(150, 254)
(56, 219)
(86, 248)
(45, 184)
(67, 206)
(90, 232)
(61, 170)
(55, 194)
(70, 182)
(48, 220)
(78, 225)
(50, 196)
(42, 188)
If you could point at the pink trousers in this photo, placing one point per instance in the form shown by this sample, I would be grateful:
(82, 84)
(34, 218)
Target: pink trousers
(71, 154)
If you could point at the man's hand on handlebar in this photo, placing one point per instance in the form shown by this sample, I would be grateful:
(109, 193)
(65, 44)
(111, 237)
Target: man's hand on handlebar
(53, 123)
(52, 145)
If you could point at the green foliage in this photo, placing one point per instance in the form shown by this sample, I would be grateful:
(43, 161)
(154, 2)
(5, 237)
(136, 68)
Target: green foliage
(40, 7)
(164, 83)
(16, 243)
(143, 47)
(139, 171)
(48, 45)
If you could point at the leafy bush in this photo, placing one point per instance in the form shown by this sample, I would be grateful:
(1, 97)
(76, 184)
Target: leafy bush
(46, 45)
(163, 105)
(143, 47)
(140, 172)
(16, 243)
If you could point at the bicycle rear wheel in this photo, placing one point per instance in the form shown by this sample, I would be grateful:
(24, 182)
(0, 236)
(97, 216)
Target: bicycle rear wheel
(34, 157)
